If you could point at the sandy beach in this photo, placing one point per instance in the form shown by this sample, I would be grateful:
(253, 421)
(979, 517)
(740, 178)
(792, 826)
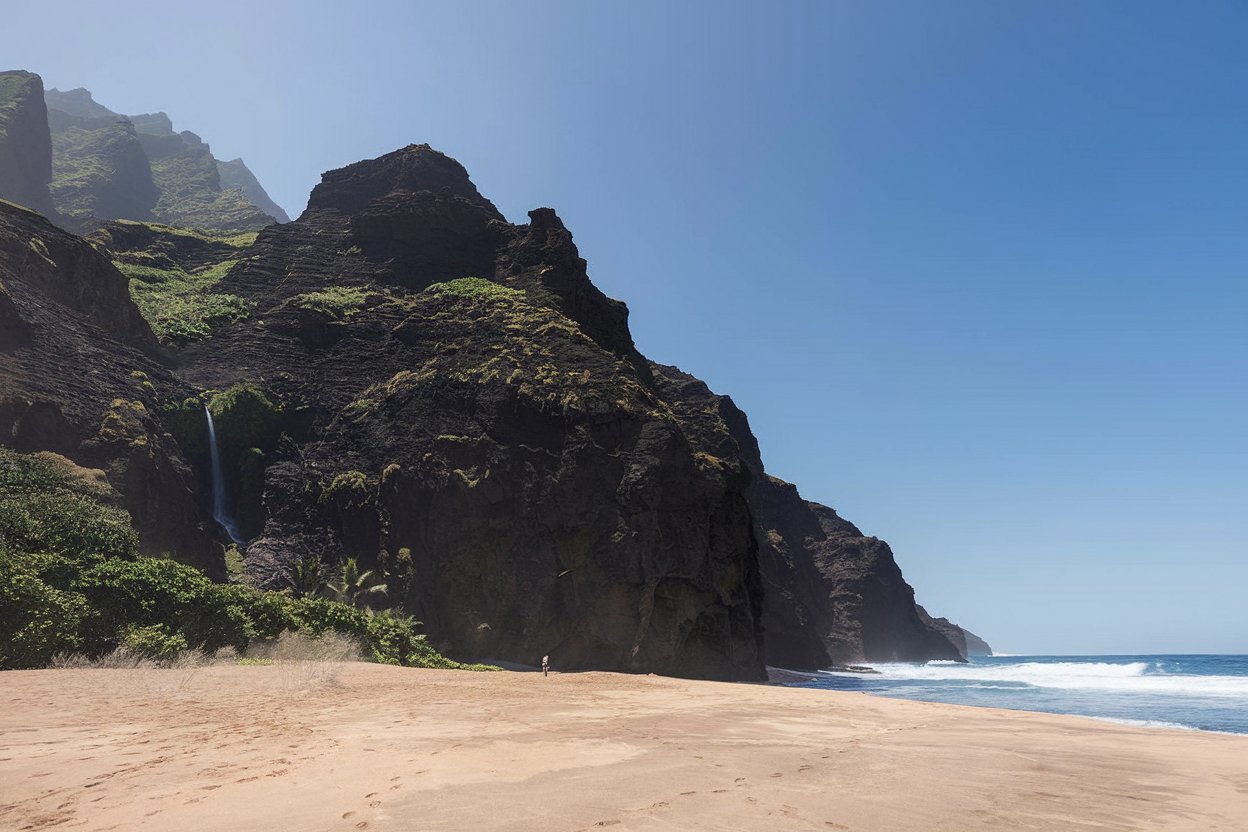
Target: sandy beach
(360, 746)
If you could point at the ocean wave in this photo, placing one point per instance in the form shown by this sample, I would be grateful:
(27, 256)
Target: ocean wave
(1146, 723)
(1130, 677)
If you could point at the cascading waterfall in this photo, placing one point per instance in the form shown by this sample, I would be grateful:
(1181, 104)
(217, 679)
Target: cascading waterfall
(219, 511)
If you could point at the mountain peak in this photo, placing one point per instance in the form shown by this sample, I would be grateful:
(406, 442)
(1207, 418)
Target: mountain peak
(77, 102)
(415, 168)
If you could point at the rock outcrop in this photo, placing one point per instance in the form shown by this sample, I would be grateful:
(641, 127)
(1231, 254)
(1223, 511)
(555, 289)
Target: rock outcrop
(79, 376)
(236, 175)
(25, 144)
(101, 170)
(831, 595)
(968, 643)
(473, 421)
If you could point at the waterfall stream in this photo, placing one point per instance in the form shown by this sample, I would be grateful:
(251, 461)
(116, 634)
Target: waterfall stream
(219, 511)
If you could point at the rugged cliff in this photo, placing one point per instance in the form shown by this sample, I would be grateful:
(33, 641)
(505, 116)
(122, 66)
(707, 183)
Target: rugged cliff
(110, 166)
(830, 594)
(79, 376)
(402, 376)
(25, 145)
(463, 409)
(100, 169)
(235, 174)
(968, 643)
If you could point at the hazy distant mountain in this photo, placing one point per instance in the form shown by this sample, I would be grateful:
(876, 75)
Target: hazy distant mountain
(111, 166)
(234, 174)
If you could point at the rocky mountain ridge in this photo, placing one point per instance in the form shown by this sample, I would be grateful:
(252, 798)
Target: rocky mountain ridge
(77, 162)
(403, 376)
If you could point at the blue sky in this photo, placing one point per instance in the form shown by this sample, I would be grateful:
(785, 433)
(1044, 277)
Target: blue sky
(976, 270)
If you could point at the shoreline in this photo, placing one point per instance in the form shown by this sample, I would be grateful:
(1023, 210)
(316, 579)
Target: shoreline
(361, 746)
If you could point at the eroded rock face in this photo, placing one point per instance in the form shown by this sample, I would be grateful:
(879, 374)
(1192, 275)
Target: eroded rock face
(476, 423)
(79, 376)
(100, 169)
(25, 143)
(831, 595)
(418, 383)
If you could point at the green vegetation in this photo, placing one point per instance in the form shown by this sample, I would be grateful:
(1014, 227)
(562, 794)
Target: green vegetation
(242, 239)
(14, 88)
(336, 302)
(72, 581)
(356, 587)
(475, 287)
(191, 196)
(245, 417)
(180, 306)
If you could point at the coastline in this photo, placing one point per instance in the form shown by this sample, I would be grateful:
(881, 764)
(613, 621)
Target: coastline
(361, 746)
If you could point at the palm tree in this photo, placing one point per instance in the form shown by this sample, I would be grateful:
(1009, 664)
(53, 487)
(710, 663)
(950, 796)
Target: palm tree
(308, 577)
(356, 587)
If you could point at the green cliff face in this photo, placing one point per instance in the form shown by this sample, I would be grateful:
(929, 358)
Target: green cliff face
(110, 166)
(25, 147)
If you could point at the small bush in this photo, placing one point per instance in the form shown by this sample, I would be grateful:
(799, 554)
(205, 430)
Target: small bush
(476, 288)
(336, 302)
(37, 621)
(155, 642)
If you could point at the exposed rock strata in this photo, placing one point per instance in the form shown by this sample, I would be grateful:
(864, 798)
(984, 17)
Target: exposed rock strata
(492, 442)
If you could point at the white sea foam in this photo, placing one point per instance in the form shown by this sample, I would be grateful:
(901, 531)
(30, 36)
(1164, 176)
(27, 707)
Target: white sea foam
(1132, 677)
(1146, 723)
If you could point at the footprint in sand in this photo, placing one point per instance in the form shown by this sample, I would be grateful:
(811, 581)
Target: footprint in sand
(777, 774)
(804, 768)
(607, 823)
(346, 815)
(686, 794)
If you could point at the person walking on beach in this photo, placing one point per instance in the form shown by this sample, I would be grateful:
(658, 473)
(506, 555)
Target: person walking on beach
(545, 665)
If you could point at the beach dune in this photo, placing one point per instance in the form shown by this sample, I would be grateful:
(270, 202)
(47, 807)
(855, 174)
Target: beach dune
(360, 746)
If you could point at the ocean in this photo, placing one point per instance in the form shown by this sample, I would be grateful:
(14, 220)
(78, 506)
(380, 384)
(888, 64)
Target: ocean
(1206, 693)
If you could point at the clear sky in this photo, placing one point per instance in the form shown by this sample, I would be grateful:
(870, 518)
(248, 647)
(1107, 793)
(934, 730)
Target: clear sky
(976, 270)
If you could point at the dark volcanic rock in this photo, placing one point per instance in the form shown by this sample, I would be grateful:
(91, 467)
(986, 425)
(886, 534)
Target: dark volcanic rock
(831, 596)
(968, 643)
(477, 426)
(25, 145)
(78, 377)
(975, 646)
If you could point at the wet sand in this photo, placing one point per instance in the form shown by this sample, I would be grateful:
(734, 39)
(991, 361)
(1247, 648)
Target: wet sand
(357, 746)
